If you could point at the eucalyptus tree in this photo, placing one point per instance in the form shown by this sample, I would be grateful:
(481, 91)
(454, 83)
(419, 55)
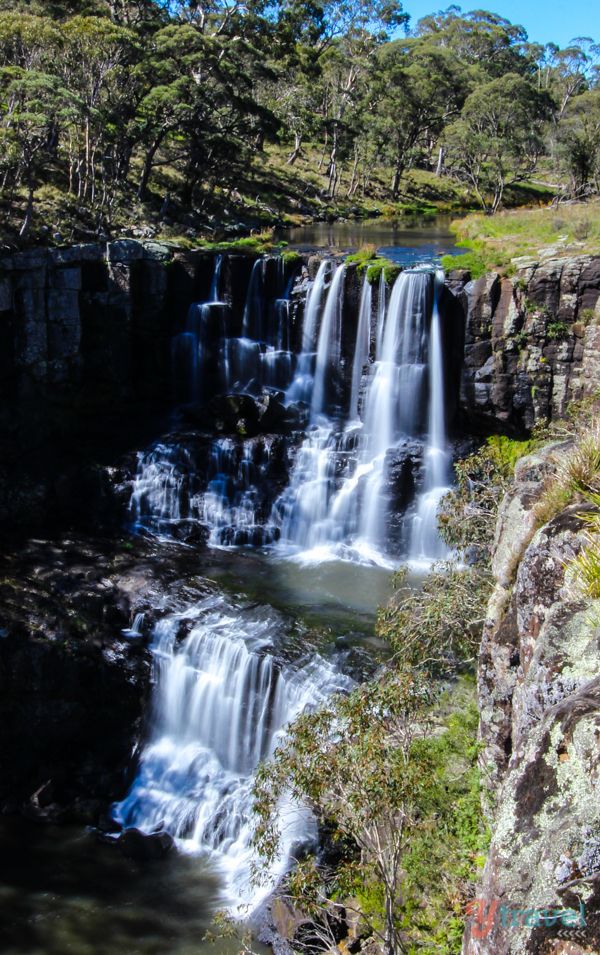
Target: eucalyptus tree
(498, 138)
(96, 66)
(417, 87)
(485, 40)
(578, 145)
(34, 106)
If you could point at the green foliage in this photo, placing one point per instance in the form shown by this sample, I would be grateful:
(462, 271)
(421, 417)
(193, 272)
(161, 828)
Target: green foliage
(467, 515)
(586, 565)
(363, 257)
(437, 627)
(351, 763)
(192, 113)
(448, 847)
(406, 817)
(557, 331)
(499, 136)
(390, 270)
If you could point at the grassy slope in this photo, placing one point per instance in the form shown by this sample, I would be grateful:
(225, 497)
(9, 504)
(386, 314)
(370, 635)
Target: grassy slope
(268, 192)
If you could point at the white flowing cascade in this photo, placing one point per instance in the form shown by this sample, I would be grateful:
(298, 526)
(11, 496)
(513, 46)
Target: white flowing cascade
(301, 387)
(221, 705)
(361, 352)
(426, 544)
(329, 343)
(322, 514)
(369, 408)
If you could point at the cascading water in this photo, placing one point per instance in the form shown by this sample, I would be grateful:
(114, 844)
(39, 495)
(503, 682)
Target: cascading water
(336, 503)
(328, 346)
(426, 544)
(302, 385)
(367, 422)
(361, 352)
(221, 705)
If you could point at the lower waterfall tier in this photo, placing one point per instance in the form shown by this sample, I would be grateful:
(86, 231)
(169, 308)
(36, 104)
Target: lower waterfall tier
(221, 704)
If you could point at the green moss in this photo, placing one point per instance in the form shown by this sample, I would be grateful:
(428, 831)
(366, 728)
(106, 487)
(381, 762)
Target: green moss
(291, 259)
(367, 260)
(363, 257)
(390, 270)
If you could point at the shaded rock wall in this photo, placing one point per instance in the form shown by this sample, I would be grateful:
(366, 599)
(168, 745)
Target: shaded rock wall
(532, 342)
(539, 700)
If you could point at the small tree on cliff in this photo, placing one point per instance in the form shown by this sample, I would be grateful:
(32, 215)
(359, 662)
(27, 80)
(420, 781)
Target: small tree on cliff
(498, 138)
(351, 763)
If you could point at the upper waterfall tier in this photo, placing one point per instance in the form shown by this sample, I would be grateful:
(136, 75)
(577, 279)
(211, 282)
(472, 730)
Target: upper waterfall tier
(353, 379)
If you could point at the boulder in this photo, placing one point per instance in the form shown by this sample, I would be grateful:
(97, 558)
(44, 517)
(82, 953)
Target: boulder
(145, 846)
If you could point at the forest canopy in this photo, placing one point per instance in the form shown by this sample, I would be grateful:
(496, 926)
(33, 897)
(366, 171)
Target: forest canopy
(186, 107)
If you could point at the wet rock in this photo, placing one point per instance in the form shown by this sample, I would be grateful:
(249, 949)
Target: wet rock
(72, 690)
(144, 846)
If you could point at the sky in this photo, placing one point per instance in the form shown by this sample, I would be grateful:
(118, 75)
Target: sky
(556, 21)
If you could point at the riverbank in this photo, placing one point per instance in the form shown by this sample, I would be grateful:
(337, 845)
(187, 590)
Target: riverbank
(269, 195)
(518, 238)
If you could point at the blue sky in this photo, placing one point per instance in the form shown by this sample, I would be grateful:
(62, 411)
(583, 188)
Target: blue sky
(545, 20)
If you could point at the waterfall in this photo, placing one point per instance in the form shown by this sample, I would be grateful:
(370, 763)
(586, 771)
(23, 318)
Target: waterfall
(381, 308)
(337, 500)
(328, 346)
(365, 485)
(426, 544)
(301, 387)
(251, 325)
(221, 704)
(361, 351)
(215, 284)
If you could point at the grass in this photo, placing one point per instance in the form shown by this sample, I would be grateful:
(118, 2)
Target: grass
(587, 563)
(577, 477)
(472, 261)
(496, 241)
(367, 260)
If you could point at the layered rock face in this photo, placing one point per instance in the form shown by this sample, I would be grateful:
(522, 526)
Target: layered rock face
(75, 671)
(532, 342)
(539, 698)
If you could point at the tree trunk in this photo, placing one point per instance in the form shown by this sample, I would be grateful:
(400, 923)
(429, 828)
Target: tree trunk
(297, 150)
(398, 170)
(440, 162)
(24, 230)
(142, 192)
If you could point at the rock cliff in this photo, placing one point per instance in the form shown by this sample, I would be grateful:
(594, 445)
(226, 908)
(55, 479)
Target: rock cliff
(532, 342)
(539, 699)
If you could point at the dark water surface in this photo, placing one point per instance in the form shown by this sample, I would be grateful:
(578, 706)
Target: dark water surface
(63, 892)
(407, 241)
